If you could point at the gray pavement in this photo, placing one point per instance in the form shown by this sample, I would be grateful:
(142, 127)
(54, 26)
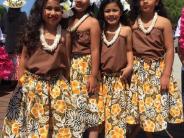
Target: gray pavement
(177, 70)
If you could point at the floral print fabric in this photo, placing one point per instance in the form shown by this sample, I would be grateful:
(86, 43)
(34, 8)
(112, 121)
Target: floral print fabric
(79, 73)
(42, 108)
(147, 105)
(113, 93)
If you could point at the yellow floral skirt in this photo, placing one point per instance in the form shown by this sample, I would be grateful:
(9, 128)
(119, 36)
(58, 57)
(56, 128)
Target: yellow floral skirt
(147, 105)
(112, 105)
(88, 108)
(42, 108)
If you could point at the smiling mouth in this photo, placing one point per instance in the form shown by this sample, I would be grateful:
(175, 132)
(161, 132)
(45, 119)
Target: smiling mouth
(145, 7)
(78, 5)
(53, 18)
(111, 19)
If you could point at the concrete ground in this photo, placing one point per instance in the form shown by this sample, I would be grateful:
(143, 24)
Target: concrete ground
(177, 70)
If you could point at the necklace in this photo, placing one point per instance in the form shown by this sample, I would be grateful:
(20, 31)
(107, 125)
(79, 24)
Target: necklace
(109, 43)
(148, 30)
(74, 27)
(54, 45)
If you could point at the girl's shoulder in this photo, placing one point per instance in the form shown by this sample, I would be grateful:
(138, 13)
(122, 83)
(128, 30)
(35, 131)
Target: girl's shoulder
(92, 20)
(163, 22)
(125, 31)
(91, 23)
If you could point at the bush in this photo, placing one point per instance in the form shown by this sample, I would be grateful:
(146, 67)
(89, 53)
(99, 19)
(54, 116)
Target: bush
(2, 11)
(174, 9)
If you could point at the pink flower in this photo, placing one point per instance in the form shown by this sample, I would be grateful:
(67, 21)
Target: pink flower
(6, 65)
(181, 41)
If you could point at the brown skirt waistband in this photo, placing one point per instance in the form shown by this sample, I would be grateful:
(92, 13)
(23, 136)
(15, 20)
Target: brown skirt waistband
(46, 77)
(116, 74)
(149, 60)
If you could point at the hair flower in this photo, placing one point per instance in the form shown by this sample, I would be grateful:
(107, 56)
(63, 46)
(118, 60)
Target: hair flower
(126, 5)
(67, 8)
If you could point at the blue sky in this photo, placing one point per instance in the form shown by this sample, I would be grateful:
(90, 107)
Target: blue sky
(26, 7)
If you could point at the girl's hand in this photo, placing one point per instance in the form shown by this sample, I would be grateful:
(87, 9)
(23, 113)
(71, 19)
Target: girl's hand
(20, 74)
(126, 72)
(92, 84)
(164, 83)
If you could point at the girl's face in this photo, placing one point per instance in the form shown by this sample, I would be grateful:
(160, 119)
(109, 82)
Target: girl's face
(148, 6)
(52, 12)
(81, 5)
(112, 13)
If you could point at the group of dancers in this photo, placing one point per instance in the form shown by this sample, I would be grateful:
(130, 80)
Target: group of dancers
(110, 71)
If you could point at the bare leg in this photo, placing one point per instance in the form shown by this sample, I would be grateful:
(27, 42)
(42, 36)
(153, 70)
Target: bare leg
(149, 135)
(93, 132)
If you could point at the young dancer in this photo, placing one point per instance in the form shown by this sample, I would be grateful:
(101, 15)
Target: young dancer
(85, 31)
(154, 98)
(41, 105)
(116, 67)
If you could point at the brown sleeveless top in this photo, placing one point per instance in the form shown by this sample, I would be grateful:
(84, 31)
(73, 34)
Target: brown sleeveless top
(148, 45)
(114, 58)
(42, 62)
(81, 42)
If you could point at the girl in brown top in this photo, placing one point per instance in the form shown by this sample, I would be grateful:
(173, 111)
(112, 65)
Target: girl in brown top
(116, 66)
(154, 97)
(41, 106)
(85, 31)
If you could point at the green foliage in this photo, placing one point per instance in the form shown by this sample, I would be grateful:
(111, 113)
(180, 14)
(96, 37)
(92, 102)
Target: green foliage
(174, 9)
(2, 10)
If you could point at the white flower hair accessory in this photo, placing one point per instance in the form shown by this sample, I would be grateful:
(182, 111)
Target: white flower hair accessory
(126, 5)
(96, 2)
(67, 8)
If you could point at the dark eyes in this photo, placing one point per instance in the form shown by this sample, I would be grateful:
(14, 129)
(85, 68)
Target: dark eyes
(111, 10)
(49, 8)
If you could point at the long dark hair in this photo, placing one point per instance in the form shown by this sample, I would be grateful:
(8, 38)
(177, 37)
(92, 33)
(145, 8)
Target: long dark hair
(135, 9)
(31, 36)
(123, 18)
